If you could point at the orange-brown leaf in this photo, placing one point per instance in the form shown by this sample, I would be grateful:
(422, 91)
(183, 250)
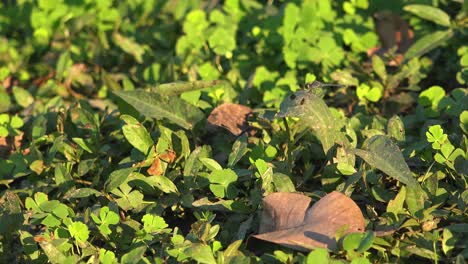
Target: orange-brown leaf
(156, 168)
(232, 117)
(288, 220)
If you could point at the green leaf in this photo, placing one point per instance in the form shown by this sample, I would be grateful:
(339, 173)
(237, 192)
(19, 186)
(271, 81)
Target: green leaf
(379, 67)
(429, 13)
(318, 256)
(129, 46)
(22, 96)
(427, 43)
(315, 113)
(360, 260)
(395, 206)
(366, 241)
(116, 178)
(136, 134)
(176, 88)
(221, 183)
(384, 155)
(222, 41)
(163, 183)
(239, 149)
(464, 121)
(107, 257)
(153, 223)
(79, 231)
(156, 106)
(200, 253)
(448, 241)
(352, 241)
(53, 253)
(211, 164)
(415, 197)
(283, 183)
(134, 256)
(396, 129)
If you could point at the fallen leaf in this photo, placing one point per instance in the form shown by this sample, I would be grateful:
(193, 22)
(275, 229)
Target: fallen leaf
(169, 156)
(392, 31)
(287, 220)
(232, 117)
(155, 168)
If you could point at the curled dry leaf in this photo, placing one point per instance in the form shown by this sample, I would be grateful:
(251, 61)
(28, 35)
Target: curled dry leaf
(392, 31)
(288, 220)
(169, 156)
(156, 168)
(232, 117)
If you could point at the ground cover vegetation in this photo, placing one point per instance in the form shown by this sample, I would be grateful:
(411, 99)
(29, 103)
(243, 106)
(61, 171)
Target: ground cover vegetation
(151, 131)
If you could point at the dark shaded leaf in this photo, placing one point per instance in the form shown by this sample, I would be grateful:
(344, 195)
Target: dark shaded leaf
(384, 155)
(156, 106)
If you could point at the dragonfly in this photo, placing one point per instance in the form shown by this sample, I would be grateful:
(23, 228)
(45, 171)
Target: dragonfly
(317, 84)
(315, 87)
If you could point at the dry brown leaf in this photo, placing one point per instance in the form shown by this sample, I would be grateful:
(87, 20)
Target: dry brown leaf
(169, 156)
(392, 31)
(232, 117)
(156, 168)
(288, 220)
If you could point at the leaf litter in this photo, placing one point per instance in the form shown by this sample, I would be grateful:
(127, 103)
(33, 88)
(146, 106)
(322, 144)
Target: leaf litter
(232, 117)
(288, 220)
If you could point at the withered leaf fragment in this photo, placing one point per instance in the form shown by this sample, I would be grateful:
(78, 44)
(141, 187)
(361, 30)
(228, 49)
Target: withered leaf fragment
(232, 117)
(288, 220)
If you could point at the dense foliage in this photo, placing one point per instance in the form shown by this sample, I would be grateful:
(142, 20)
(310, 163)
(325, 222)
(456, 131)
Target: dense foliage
(100, 163)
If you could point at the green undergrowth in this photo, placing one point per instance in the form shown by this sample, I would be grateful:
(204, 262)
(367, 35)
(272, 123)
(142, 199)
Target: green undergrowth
(106, 155)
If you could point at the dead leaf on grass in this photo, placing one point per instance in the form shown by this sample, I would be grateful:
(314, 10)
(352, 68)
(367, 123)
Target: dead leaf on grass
(287, 220)
(392, 31)
(232, 117)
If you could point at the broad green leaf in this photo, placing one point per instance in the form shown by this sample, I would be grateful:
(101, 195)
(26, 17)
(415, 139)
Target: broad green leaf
(211, 164)
(448, 241)
(200, 253)
(379, 67)
(129, 46)
(427, 43)
(136, 134)
(22, 96)
(352, 241)
(109, 82)
(176, 88)
(107, 257)
(360, 260)
(429, 13)
(134, 256)
(384, 155)
(116, 178)
(395, 206)
(283, 183)
(366, 242)
(239, 149)
(315, 113)
(396, 129)
(415, 197)
(53, 253)
(156, 106)
(79, 231)
(464, 120)
(153, 223)
(221, 183)
(318, 256)
(163, 183)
